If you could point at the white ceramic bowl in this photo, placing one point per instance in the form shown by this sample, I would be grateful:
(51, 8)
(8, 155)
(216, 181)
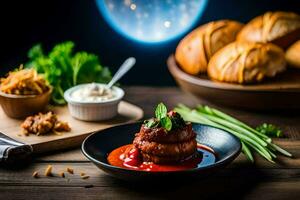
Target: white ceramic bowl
(93, 111)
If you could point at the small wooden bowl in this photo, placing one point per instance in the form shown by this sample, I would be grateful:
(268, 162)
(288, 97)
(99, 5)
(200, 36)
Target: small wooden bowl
(279, 93)
(21, 106)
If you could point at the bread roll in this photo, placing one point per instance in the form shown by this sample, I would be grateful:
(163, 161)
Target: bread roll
(292, 55)
(195, 50)
(246, 62)
(280, 28)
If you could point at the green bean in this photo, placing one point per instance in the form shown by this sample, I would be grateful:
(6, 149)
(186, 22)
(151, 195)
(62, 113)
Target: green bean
(235, 127)
(200, 119)
(250, 138)
(237, 122)
(247, 152)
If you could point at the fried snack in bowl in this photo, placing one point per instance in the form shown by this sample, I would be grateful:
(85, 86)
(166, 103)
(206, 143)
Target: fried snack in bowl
(195, 50)
(280, 28)
(292, 55)
(246, 62)
(24, 82)
(24, 92)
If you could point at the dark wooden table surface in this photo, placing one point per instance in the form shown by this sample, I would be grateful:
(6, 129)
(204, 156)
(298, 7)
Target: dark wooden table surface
(241, 179)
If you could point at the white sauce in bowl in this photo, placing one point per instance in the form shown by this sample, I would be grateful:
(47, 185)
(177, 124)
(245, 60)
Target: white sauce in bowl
(93, 93)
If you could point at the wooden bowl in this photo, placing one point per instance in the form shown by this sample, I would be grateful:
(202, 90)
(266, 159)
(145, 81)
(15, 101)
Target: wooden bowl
(281, 92)
(21, 106)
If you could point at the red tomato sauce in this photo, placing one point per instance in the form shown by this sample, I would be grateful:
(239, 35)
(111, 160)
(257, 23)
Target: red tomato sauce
(118, 158)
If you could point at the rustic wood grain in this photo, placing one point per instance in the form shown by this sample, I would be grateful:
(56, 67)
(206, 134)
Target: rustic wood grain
(283, 190)
(23, 177)
(147, 98)
(282, 162)
(244, 182)
(240, 180)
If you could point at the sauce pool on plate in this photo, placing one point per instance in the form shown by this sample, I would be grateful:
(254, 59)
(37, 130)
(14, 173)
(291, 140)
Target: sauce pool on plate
(203, 156)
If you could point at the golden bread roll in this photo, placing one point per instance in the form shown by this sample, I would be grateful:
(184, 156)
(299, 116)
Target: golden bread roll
(195, 50)
(246, 62)
(280, 28)
(292, 55)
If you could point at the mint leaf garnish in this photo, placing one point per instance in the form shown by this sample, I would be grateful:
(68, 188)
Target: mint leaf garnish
(166, 123)
(161, 111)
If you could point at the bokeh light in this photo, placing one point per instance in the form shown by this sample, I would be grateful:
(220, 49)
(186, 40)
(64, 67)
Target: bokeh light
(151, 21)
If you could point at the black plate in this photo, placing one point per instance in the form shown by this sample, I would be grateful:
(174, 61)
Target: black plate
(97, 146)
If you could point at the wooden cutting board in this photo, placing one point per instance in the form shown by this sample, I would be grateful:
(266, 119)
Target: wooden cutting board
(80, 129)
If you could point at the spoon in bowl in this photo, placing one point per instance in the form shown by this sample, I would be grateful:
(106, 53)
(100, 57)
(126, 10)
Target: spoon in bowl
(124, 68)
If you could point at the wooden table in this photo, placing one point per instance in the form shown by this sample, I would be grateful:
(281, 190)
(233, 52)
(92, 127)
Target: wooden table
(241, 179)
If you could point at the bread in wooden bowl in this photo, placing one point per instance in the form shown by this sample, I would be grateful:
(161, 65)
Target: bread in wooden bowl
(292, 55)
(195, 50)
(280, 28)
(246, 62)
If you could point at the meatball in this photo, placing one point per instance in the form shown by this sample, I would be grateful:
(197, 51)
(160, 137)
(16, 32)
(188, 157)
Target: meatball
(159, 146)
(160, 135)
(166, 149)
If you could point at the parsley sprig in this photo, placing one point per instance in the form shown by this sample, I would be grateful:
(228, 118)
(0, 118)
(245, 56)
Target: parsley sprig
(270, 130)
(64, 68)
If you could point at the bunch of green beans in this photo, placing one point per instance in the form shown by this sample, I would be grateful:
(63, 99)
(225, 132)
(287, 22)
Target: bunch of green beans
(250, 138)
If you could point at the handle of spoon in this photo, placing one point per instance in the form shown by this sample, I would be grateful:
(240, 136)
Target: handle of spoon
(125, 67)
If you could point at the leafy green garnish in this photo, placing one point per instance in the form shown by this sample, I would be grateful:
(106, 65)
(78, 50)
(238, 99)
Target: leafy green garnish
(161, 118)
(151, 123)
(161, 111)
(166, 123)
(270, 130)
(63, 69)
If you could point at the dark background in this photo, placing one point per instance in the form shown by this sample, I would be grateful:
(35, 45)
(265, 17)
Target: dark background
(27, 22)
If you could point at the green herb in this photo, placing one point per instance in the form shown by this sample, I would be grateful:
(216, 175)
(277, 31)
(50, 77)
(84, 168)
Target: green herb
(251, 139)
(151, 123)
(166, 123)
(270, 130)
(161, 111)
(63, 68)
(162, 119)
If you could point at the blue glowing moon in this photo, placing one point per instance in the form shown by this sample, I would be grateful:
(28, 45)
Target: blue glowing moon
(151, 21)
